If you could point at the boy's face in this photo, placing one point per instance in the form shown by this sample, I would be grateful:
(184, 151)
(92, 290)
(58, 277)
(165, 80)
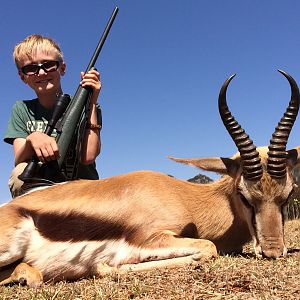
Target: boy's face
(43, 83)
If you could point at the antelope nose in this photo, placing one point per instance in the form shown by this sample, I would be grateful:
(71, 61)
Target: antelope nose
(273, 247)
(270, 255)
(273, 253)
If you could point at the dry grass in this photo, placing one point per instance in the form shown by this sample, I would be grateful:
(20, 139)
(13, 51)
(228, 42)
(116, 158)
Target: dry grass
(240, 277)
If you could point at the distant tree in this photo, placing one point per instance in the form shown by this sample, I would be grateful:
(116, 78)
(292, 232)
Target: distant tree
(200, 179)
(294, 201)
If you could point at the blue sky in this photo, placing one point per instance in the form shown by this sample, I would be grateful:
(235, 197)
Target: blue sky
(162, 68)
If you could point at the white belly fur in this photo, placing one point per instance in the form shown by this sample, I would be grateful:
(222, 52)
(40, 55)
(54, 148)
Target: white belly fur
(71, 260)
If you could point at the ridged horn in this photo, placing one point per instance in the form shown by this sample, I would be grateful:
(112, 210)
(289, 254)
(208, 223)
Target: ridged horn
(250, 160)
(277, 155)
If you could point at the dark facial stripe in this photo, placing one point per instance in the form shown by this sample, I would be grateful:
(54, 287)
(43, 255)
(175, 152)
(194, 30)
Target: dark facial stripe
(77, 227)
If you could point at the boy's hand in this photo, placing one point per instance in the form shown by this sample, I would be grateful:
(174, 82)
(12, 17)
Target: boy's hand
(91, 79)
(44, 146)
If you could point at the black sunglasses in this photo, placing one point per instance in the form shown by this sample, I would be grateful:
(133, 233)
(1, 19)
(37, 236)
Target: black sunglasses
(34, 69)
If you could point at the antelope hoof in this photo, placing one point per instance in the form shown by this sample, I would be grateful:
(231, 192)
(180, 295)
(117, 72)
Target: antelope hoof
(25, 275)
(208, 252)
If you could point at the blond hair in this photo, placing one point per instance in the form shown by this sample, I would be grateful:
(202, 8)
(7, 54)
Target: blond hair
(27, 48)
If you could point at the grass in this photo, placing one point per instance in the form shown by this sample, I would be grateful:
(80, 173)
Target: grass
(227, 277)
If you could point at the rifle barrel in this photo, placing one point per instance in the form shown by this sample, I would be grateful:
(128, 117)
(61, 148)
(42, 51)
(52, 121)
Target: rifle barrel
(77, 105)
(102, 39)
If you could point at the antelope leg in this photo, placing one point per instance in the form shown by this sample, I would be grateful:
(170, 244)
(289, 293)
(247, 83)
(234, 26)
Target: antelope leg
(25, 275)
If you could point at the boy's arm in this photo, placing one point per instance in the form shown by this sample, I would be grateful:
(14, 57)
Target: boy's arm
(37, 143)
(26, 144)
(91, 145)
(21, 150)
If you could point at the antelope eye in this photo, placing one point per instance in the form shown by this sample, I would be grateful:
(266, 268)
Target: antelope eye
(245, 201)
(289, 197)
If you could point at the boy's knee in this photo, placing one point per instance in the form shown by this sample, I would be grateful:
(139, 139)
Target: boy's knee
(15, 184)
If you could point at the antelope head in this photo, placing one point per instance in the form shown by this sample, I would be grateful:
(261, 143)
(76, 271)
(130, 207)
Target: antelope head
(263, 175)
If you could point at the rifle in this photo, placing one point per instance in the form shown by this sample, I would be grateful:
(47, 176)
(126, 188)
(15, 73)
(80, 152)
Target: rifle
(70, 115)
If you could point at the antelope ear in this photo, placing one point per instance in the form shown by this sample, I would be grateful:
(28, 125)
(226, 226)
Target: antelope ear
(220, 165)
(293, 156)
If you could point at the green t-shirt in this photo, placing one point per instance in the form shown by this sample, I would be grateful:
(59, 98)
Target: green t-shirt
(29, 116)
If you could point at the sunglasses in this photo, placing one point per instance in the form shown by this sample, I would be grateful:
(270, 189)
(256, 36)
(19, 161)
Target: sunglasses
(34, 69)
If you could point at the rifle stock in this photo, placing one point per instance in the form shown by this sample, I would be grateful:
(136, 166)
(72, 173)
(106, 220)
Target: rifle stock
(33, 170)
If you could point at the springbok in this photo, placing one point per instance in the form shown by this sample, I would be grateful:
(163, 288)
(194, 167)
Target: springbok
(147, 219)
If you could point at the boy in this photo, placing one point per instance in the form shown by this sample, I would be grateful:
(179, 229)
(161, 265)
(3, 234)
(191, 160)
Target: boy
(40, 65)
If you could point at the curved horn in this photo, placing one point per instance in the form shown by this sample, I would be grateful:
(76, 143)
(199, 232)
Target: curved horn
(276, 165)
(251, 163)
